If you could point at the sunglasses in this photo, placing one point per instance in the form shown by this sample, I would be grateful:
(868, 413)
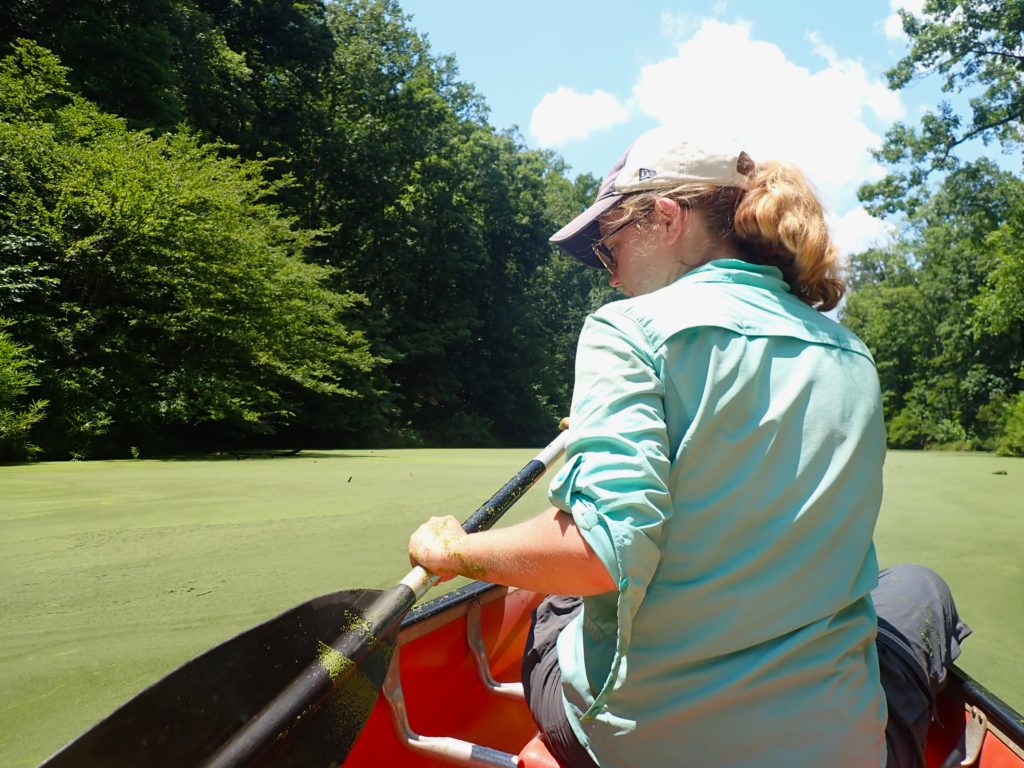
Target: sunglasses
(603, 252)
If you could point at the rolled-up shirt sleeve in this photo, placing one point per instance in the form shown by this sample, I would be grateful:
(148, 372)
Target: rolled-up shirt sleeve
(615, 482)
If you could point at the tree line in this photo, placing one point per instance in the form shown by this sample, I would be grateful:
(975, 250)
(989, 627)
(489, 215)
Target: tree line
(270, 223)
(942, 309)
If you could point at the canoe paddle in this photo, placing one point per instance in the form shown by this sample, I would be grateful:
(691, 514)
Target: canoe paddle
(293, 691)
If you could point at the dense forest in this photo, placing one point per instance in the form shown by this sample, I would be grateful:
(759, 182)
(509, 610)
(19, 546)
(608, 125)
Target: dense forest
(942, 309)
(235, 225)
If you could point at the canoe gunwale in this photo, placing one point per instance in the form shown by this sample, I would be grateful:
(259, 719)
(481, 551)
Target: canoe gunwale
(453, 605)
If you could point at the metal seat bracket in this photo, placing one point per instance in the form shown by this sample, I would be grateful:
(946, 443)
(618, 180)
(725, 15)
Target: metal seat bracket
(455, 751)
(974, 735)
(475, 638)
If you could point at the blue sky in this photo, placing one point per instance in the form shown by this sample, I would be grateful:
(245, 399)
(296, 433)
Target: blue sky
(788, 80)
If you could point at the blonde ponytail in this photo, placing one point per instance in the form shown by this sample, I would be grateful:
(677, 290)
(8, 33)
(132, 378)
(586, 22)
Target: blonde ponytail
(781, 221)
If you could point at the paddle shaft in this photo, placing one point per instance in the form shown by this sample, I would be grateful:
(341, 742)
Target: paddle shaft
(420, 580)
(259, 734)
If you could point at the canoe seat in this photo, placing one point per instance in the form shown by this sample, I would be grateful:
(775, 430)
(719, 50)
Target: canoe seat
(535, 755)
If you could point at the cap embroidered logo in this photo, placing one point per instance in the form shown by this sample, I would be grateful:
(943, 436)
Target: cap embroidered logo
(647, 173)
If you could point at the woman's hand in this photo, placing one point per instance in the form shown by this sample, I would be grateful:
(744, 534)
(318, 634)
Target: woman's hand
(437, 546)
(546, 553)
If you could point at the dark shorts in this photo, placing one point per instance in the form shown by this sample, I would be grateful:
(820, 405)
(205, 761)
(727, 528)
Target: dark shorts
(542, 680)
(919, 635)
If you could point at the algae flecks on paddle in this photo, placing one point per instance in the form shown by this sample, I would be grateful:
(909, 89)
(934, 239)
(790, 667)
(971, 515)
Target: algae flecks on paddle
(351, 701)
(355, 622)
(341, 717)
(333, 661)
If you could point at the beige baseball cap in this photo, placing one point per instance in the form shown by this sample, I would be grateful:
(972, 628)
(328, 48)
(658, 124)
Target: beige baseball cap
(659, 159)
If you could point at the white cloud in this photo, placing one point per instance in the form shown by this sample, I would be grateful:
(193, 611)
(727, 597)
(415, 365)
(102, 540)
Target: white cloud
(849, 74)
(723, 84)
(893, 27)
(858, 230)
(893, 24)
(566, 114)
(677, 26)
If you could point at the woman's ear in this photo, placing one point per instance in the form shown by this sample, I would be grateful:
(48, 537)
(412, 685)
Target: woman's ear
(671, 219)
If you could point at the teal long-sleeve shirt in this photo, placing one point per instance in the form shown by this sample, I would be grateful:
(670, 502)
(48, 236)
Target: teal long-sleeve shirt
(725, 463)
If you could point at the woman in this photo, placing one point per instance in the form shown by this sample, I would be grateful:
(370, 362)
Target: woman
(721, 485)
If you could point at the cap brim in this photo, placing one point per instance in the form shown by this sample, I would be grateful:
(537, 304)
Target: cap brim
(578, 236)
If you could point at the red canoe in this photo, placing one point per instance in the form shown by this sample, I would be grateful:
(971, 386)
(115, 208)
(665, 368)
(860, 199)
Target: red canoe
(440, 710)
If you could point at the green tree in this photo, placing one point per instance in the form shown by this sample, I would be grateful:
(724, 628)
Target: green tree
(17, 416)
(937, 312)
(437, 218)
(565, 291)
(1011, 437)
(443, 223)
(241, 73)
(974, 48)
(119, 53)
(169, 298)
(888, 309)
(962, 234)
(1001, 300)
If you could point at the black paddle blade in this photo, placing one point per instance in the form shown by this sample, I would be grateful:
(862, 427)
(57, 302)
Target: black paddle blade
(316, 720)
(183, 718)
